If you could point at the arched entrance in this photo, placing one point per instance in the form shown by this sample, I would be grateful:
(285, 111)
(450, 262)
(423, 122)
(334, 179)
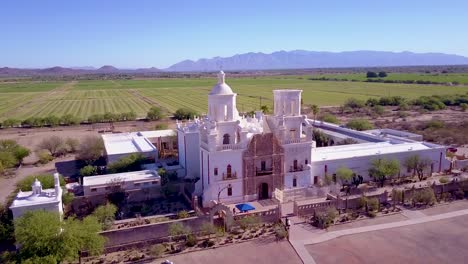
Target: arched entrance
(263, 191)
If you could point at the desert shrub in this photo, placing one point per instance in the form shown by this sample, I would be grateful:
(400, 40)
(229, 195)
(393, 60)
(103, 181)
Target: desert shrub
(154, 113)
(373, 204)
(354, 103)
(191, 241)
(362, 202)
(54, 144)
(359, 124)
(434, 124)
(329, 118)
(207, 243)
(464, 106)
(249, 222)
(280, 232)
(44, 156)
(72, 144)
(379, 110)
(323, 219)
(402, 114)
(88, 170)
(182, 214)
(157, 250)
(459, 194)
(178, 229)
(443, 180)
(425, 196)
(67, 198)
(184, 113)
(91, 149)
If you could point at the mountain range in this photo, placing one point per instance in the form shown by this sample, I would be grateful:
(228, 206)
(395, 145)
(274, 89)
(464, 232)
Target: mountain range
(302, 59)
(296, 59)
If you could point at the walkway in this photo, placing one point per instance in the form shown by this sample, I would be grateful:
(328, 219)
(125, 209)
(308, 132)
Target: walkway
(299, 237)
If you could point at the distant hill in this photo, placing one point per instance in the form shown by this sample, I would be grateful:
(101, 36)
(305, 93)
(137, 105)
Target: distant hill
(301, 59)
(54, 71)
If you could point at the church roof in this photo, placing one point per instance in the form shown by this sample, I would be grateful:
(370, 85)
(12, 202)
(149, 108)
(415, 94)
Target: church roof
(221, 88)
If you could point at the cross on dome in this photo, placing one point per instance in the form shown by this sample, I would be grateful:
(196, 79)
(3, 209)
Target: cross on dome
(221, 77)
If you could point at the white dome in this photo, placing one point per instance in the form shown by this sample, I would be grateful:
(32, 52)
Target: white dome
(221, 87)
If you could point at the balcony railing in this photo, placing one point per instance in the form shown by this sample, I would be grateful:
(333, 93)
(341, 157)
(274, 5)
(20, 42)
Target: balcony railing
(266, 171)
(295, 140)
(230, 147)
(296, 168)
(229, 176)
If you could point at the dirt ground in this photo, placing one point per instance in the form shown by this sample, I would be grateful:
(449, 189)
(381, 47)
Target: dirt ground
(255, 252)
(443, 241)
(32, 137)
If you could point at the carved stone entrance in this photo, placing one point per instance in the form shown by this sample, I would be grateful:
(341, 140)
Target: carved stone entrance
(263, 192)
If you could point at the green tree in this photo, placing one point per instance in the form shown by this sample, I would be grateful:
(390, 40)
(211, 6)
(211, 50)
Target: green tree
(345, 175)
(88, 170)
(383, 169)
(359, 124)
(8, 160)
(69, 120)
(417, 165)
(315, 111)
(42, 234)
(371, 74)
(154, 113)
(10, 146)
(105, 214)
(91, 149)
(52, 121)
(184, 113)
(47, 181)
(382, 74)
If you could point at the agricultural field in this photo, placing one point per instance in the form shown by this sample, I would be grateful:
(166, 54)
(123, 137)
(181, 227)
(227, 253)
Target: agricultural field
(84, 98)
(461, 78)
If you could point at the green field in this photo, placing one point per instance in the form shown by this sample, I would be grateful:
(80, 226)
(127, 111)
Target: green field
(21, 100)
(461, 78)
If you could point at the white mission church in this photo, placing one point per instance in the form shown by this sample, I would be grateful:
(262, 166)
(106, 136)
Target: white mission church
(240, 159)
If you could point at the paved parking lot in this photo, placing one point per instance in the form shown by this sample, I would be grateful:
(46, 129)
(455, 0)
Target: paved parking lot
(255, 252)
(443, 241)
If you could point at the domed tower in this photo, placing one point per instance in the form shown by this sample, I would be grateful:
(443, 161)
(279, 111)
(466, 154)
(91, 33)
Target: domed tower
(222, 102)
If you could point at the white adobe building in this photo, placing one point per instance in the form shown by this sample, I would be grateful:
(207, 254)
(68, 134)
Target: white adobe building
(239, 159)
(38, 199)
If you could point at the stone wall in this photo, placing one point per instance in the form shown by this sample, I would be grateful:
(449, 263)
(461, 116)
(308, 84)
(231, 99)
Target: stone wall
(270, 216)
(142, 234)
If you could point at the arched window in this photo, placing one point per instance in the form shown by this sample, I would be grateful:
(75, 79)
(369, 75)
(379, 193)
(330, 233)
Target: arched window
(295, 164)
(228, 171)
(226, 139)
(229, 191)
(294, 182)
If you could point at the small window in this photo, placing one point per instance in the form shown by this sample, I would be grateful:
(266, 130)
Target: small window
(226, 139)
(216, 171)
(229, 191)
(294, 182)
(93, 189)
(306, 161)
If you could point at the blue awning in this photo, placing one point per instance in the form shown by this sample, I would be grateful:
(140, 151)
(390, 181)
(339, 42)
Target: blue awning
(244, 207)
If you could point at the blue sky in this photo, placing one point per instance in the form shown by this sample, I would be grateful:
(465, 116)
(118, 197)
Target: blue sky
(131, 34)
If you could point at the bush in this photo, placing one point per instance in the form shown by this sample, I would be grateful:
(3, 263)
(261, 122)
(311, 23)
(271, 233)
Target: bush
(354, 103)
(371, 214)
(72, 144)
(371, 74)
(91, 149)
(379, 110)
(160, 127)
(464, 107)
(443, 180)
(47, 182)
(184, 113)
(425, 196)
(54, 144)
(191, 241)
(51, 121)
(382, 74)
(280, 232)
(157, 250)
(363, 202)
(325, 219)
(329, 118)
(67, 198)
(208, 243)
(434, 124)
(44, 156)
(249, 222)
(182, 214)
(105, 215)
(359, 124)
(373, 204)
(88, 170)
(154, 113)
(131, 162)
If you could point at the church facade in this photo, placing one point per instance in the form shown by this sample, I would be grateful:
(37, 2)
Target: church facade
(244, 158)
